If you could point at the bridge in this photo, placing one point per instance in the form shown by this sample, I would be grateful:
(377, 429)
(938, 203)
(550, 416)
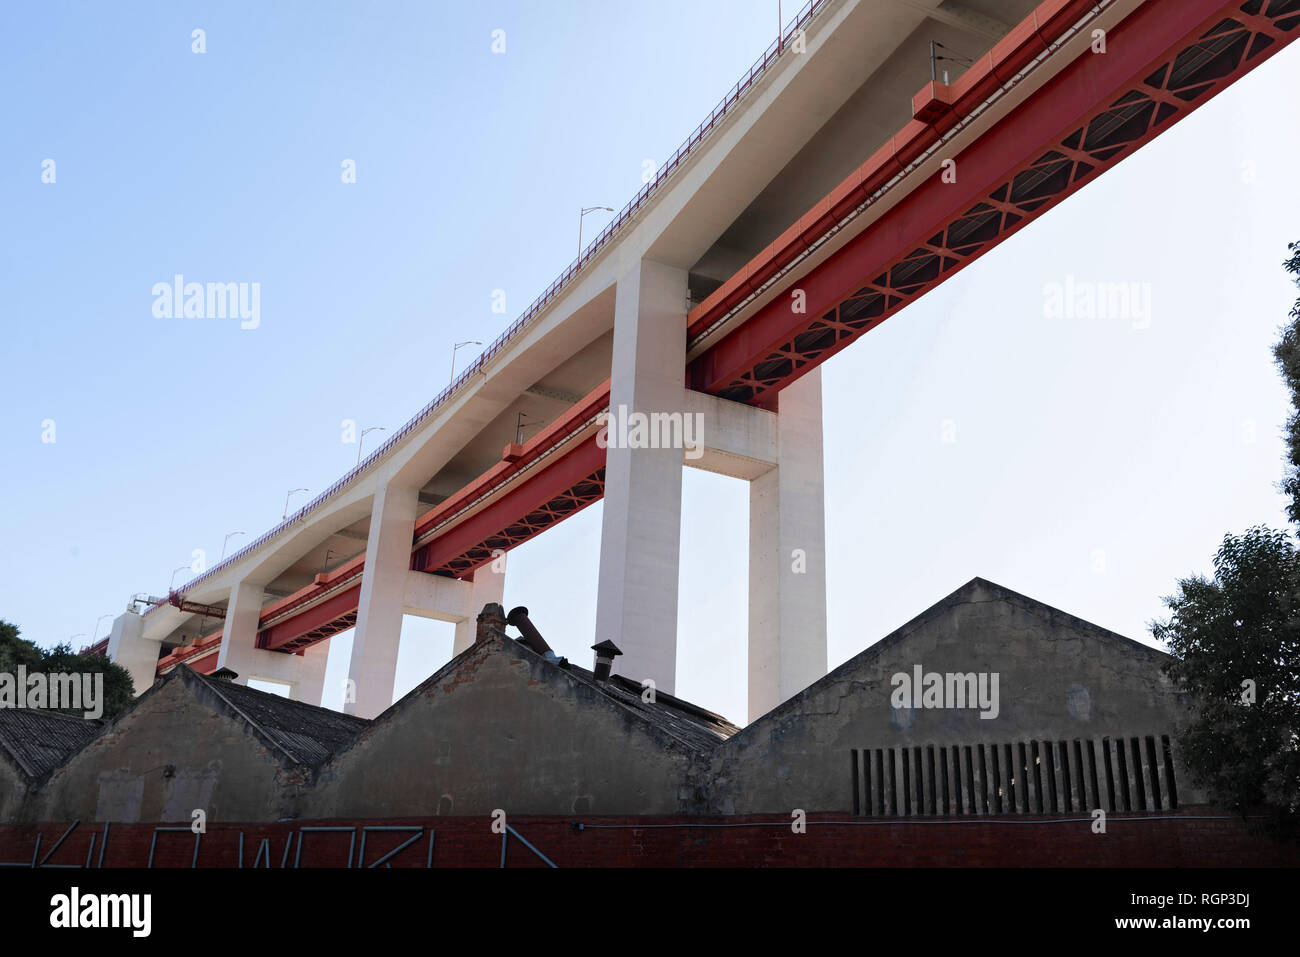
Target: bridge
(850, 171)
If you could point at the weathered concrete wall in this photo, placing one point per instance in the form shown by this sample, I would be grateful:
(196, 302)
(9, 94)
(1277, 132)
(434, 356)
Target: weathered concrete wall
(1060, 679)
(501, 728)
(498, 727)
(220, 765)
(13, 790)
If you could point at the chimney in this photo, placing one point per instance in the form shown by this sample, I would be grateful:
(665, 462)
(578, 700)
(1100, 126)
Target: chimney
(531, 638)
(491, 623)
(606, 652)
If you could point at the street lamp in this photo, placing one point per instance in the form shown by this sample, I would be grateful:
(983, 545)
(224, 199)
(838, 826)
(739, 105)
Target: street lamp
(582, 215)
(373, 428)
(520, 426)
(286, 500)
(95, 630)
(229, 536)
(80, 634)
(173, 578)
(467, 342)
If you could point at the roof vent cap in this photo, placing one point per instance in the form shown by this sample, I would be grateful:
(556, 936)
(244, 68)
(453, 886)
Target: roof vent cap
(606, 652)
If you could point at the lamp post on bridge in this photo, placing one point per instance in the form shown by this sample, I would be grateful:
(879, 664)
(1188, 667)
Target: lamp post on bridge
(362, 439)
(229, 536)
(456, 348)
(583, 215)
(95, 631)
(286, 500)
(172, 581)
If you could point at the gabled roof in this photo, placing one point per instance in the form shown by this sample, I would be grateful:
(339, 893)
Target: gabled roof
(306, 733)
(981, 589)
(38, 740)
(687, 722)
(691, 726)
(975, 590)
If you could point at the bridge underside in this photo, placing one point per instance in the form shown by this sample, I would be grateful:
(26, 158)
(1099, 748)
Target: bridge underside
(746, 343)
(1095, 113)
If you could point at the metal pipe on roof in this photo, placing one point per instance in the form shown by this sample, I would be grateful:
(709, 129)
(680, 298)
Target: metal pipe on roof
(532, 638)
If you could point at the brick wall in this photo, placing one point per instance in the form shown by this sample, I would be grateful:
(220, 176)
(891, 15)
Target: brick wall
(1184, 839)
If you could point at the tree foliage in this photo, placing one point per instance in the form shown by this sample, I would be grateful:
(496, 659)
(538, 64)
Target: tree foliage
(16, 650)
(1236, 639)
(1236, 645)
(1287, 355)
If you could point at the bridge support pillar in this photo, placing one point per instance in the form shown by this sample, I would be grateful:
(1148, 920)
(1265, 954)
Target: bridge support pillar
(304, 673)
(373, 669)
(454, 600)
(636, 603)
(128, 647)
(787, 555)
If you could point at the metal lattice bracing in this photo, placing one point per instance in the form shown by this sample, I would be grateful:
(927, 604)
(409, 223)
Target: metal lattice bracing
(589, 490)
(1162, 92)
(327, 630)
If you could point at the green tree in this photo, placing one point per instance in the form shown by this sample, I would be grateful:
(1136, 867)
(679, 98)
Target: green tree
(1287, 355)
(1236, 641)
(119, 689)
(16, 650)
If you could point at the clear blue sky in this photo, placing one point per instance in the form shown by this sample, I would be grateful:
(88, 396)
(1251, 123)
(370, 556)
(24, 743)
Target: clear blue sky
(1094, 463)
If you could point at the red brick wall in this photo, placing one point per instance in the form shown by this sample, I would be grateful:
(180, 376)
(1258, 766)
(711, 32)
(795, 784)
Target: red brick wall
(1183, 839)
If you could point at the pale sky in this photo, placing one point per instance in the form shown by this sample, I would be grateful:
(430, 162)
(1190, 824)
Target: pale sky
(1088, 463)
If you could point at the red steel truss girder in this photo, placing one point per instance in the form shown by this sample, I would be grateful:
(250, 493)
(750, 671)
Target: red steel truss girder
(320, 621)
(568, 485)
(1048, 22)
(1008, 177)
(573, 418)
(198, 650)
(574, 481)
(299, 629)
(1098, 110)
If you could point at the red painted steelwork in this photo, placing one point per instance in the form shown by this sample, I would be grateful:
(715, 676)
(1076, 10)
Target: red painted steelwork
(1155, 71)
(1009, 55)
(544, 442)
(192, 654)
(320, 621)
(285, 628)
(621, 221)
(563, 488)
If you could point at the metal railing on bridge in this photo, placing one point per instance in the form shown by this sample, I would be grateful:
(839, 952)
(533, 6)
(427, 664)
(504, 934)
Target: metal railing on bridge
(774, 50)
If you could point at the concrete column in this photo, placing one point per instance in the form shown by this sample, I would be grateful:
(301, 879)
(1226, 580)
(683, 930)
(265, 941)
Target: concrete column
(379, 614)
(310, 686)
(128, 647)
(304, 673)
(636, 604)
(239, 630)
(787, 555)
(489, 585)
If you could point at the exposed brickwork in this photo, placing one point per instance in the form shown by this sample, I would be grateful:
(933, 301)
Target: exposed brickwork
(1180, 840)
